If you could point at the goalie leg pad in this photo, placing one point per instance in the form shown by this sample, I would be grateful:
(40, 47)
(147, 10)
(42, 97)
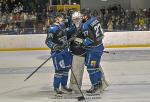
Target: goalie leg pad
(78, 69)
(104, 81)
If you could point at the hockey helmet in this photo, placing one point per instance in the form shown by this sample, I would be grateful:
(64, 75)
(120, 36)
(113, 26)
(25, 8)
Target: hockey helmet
(76, 18)
(56, 18)
(86, 13)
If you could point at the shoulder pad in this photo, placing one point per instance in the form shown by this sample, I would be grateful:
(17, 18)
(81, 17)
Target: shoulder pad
(89, 21)
(52, 29)
(94, 22)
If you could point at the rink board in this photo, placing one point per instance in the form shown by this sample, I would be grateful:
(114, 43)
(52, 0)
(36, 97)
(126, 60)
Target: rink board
(111, 40)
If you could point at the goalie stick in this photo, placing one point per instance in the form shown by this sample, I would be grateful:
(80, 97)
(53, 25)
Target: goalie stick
(82, 97)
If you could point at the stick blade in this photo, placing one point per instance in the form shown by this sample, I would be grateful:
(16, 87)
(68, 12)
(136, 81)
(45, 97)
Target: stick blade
(81, 98)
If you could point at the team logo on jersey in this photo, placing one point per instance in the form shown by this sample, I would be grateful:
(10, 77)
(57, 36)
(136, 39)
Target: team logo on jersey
(62, 64)
(50, 35)
(93, 64)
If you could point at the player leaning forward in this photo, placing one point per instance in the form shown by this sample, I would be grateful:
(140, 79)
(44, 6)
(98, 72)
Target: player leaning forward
(92, 33)
(57, 41)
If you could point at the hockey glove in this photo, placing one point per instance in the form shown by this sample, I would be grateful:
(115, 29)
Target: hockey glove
(60, 47)
(57, 47)
(49, 44)
(87, 42)
(78, 40)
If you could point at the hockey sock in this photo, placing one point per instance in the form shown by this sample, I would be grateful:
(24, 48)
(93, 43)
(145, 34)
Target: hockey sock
(92, 77)
(98, 76)
(95, 77)
(64, 79)
(57, 80)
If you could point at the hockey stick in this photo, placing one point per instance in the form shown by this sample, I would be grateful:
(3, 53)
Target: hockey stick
(37, 68)
(99, 51)
(109, 52)
(46, 60)
(82, 97)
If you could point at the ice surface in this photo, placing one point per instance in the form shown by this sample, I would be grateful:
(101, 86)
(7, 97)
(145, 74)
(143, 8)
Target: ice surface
(128, 73)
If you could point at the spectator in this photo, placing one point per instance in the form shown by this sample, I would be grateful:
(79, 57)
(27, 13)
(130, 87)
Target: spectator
(141, 23)
(136, 24)
(110, 25)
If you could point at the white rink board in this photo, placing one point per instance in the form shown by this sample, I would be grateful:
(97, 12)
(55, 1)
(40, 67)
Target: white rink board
(127, 38)
(110, 39)
(23, 41)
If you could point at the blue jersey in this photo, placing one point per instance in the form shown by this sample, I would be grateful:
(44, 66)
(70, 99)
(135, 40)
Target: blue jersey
(56, 35)
(92, 32)
(71, 30)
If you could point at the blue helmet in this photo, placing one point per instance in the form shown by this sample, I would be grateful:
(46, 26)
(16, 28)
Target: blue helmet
(86, 12)
(55, 17)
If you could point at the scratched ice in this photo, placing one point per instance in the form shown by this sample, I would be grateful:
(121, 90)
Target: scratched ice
(128, 73)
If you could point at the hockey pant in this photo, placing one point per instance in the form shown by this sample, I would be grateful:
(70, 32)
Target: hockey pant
(62, 63)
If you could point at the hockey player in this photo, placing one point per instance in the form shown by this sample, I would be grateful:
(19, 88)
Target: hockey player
(74, 18)
(92, 42)
(57, 41)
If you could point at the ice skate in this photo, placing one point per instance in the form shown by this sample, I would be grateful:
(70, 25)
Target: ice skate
(58, 92)
(95, 90)
(66, 90)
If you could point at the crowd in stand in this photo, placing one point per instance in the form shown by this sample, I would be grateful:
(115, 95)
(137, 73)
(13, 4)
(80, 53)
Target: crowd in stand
(21, 16)
(30, 16)
(116, 18)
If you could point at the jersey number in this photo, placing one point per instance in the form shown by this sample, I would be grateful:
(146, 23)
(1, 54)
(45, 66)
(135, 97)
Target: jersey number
(98, 30)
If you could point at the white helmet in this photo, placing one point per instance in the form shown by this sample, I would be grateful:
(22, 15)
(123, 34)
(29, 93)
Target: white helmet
(76, 17)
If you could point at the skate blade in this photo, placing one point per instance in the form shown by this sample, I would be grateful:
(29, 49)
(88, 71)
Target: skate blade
(92, 94)
(66, 92)
(58, 95)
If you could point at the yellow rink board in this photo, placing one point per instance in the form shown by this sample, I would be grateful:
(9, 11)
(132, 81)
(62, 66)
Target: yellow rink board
(65, 7)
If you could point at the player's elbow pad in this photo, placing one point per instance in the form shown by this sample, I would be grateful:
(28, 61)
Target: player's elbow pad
(49, 44)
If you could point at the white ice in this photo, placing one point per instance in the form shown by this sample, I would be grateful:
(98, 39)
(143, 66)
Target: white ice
(128, 73)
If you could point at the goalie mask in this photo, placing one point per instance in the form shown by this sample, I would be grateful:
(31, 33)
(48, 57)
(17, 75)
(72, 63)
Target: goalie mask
(76, 17)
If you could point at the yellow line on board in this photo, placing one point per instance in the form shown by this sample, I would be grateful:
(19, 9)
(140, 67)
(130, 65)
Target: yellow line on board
(127, 46)
(107, 46)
